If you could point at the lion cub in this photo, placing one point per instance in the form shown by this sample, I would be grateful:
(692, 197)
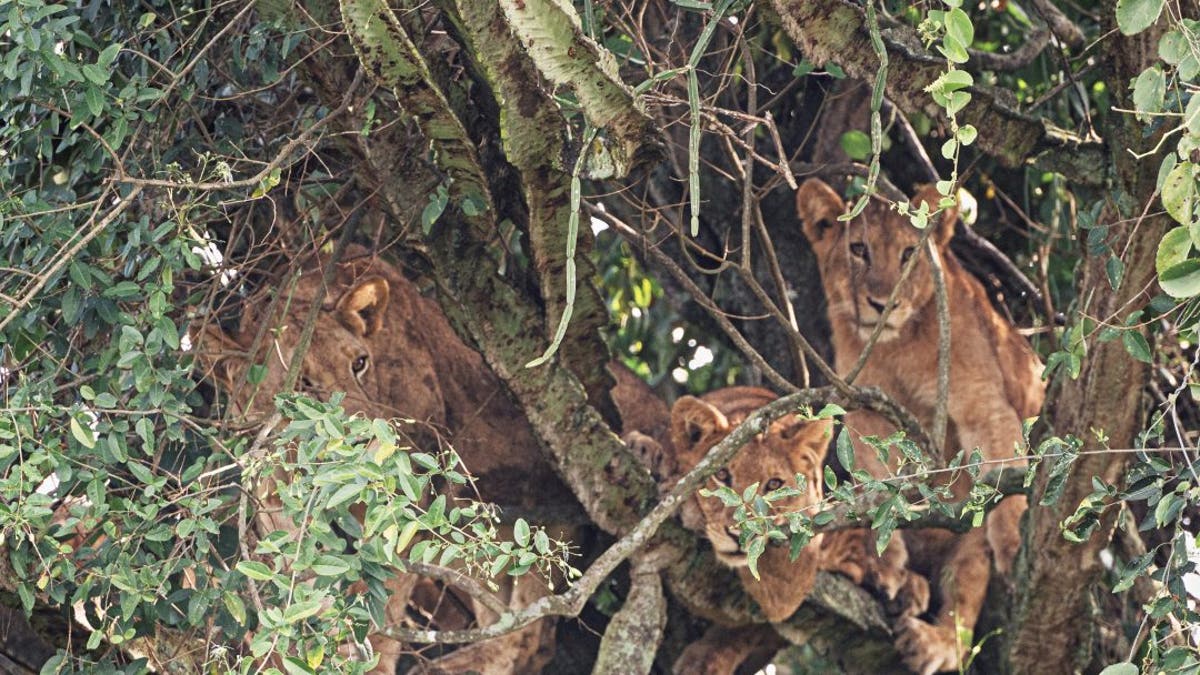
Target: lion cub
(995, 381)
(772, 460)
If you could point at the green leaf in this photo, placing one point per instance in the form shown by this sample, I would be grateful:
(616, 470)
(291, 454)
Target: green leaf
(754, 550)
(845, 450)
(1135, 16)
(958, 27)
(1172, 47)
(1191, 116)
(433, 210)
(1189, 67)
(1148, 91)
(949, 148)
(966, 134)
(953, 50)
(82, 434)
(956, 101)
(301, 611)
(1173, 249)
(255, 570)
(343, 494)
(330, 566)
(1164, 170)
(830, 410)
(1179, 192)
(521, 532)
(94, 99)
(95, 74)
(1135, 343)
(109, 55)
(235, 606)
(1115, 269)
(953, 80)
(1123, 668)
(1182, 280)
(856, 145)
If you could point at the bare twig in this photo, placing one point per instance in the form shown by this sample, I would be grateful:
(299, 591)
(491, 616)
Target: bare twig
(940, 411)
(1063, 28)
(457, 578)
(1020, 57)
(887, 309)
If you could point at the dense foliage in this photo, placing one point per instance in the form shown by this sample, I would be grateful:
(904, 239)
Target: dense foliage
(160, 162)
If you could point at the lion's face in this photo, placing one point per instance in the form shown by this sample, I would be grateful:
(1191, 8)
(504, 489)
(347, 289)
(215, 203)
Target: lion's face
(362, 344)
(861, 260)
(772, 459)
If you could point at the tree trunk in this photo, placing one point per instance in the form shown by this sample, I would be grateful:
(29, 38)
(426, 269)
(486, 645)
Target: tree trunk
(1051, 629)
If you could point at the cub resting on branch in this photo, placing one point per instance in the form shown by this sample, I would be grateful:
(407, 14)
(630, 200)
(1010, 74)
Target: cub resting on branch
(995, 381)
(772, 460)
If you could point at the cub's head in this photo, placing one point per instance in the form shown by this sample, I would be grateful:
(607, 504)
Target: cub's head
(771, 459)
(860, 261)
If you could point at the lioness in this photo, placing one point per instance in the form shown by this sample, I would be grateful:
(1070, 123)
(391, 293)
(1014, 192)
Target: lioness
(772, 460)
(995, 381)
(393, 352)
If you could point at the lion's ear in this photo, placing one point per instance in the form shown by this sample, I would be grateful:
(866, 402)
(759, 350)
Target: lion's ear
(819, 207)
(220, 357)
(361, 308)
(692, 420)
(947, 219)
(811, 433)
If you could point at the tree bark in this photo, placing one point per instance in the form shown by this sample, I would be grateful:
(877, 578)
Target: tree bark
(1051, 630)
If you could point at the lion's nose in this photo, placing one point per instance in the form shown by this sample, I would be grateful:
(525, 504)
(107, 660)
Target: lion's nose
(875, 304)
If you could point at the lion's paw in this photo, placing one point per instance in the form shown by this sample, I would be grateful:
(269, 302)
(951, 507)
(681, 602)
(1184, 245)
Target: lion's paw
(911, 598)
(701, 658)
(651, 454)
(927, 648)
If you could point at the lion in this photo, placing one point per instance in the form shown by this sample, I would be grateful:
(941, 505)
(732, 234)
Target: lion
(394, 354)
(772, 460)
(995, 382)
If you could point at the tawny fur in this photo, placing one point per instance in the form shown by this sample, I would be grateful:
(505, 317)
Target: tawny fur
(416, 367)
(995, 382)
(789, 447)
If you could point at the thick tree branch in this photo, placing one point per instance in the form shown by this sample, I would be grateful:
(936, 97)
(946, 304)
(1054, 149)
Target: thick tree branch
(836, 30)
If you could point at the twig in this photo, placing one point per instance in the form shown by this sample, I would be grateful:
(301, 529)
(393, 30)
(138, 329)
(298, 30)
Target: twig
(698, 295)
(1064, 29)
(451, 576)
(571, 602)
(859, 513)
(1020, 57)
(887, 309)
(61, 260)
(940, 410)
(793, 326)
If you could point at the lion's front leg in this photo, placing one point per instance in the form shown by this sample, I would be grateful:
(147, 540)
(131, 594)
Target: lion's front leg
(998, 436)
(962, 586)
(723, 649)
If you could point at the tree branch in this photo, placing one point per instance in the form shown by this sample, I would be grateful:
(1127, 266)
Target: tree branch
(835, 30)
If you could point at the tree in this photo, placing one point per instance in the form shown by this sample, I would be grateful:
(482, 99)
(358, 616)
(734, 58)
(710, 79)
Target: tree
(475, 143)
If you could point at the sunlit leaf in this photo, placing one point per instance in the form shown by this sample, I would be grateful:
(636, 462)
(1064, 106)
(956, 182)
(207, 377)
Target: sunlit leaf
(1135, 16)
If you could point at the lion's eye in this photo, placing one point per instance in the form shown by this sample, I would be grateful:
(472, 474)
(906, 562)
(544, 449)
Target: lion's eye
(906, 254)
(722, 475)
(360, 365)
(859, 250)
(774, 484)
